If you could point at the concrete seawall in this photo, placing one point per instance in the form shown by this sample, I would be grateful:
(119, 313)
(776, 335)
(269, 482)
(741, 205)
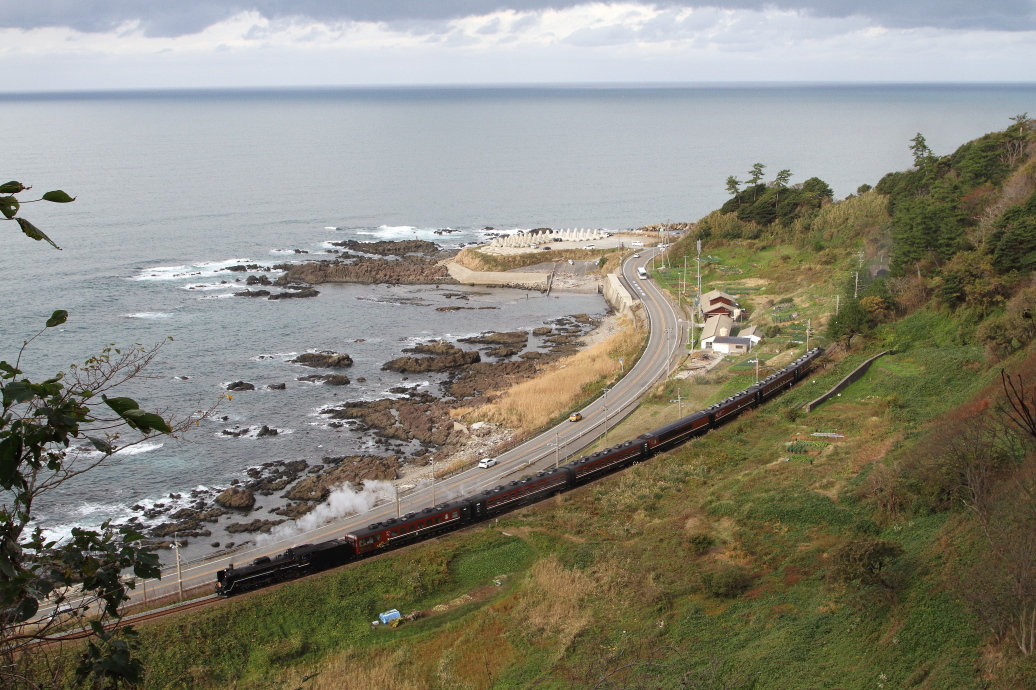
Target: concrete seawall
(617, 295)
(534, 281)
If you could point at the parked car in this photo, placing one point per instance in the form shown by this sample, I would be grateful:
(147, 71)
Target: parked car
(546, 249)
(486, 463)
(590, 246)
(575, 417)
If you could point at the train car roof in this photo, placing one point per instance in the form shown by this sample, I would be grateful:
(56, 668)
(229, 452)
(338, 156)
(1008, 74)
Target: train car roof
(376, 527)
(683, 421)
(602, 453)
(500, 488)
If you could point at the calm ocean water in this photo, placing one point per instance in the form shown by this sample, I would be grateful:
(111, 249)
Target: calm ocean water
(172, 186)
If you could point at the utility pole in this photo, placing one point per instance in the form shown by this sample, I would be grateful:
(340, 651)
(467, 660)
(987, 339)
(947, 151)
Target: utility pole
(557, 449)
(856, 290)
(757, 360)
(433, 482)
(605, 416)
(699, 271)
(808, 323)
(397, 499)
(179, 575)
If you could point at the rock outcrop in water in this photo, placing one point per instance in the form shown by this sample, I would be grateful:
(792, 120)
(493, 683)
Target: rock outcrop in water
(236, 499)
(390, 248)
(450, 357)
(407, 270)
(323, 360)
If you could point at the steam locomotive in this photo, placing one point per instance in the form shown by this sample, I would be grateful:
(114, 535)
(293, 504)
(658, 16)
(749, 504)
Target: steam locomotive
(446, 517)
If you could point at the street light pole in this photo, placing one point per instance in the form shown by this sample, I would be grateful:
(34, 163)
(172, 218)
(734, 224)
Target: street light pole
(605, 416)
(179, 574)
(557, 449)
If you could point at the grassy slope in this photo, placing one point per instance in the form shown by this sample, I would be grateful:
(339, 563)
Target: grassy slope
(611, 574)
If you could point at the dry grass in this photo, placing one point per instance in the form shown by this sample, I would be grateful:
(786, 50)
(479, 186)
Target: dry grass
(553, 603)
(531, 404)
(370, 670)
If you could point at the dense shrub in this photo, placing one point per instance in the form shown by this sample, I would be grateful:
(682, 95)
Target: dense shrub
(726, 580)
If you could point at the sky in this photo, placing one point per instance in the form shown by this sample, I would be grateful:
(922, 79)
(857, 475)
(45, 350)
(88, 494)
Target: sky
(54, 45)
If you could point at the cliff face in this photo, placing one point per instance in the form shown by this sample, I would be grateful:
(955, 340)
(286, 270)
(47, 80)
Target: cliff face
(408, 270)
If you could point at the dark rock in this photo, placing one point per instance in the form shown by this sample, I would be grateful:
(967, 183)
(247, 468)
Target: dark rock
(236, 499)
(252, 293)
(352, 469)
(257, 280)
(277, 386)
(451, 358)
(240, 386)
(543, 330)
(265, 431)
(214, 544)
(323, 360)
(512, 338)
(256, 525)
(307, 292)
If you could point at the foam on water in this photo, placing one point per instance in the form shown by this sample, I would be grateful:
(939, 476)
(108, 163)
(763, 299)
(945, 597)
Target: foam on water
(149, 315)
(202, 268)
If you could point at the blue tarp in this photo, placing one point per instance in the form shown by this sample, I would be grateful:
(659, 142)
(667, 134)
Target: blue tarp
(388, 616)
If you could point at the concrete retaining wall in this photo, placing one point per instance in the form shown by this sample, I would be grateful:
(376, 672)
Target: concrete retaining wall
(853, 377)
(535, 281)
(617, 295)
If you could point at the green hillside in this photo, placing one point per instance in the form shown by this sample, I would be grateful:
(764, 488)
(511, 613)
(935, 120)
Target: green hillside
(897, 549)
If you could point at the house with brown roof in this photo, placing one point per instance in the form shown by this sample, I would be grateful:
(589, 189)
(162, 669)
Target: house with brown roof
(717, 302)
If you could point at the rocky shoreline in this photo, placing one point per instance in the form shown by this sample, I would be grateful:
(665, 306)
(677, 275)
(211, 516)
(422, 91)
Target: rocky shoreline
(411, 431)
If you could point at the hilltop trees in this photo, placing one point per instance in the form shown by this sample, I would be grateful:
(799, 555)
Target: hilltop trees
(776, 202)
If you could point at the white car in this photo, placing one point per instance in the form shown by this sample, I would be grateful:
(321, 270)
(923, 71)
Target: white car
(636, 256)
(486, 463)
(590, 246)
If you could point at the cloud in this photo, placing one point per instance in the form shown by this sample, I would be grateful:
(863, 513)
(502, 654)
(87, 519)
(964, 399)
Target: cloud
(618, 41)
(165, 18)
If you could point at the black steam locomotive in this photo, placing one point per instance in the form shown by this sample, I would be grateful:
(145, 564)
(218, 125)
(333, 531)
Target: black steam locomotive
(412, 527)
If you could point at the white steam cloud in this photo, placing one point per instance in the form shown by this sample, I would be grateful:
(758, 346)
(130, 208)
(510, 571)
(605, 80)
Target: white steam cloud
(346, 500)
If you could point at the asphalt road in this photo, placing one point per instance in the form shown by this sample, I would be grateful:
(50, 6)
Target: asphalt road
(552, 446)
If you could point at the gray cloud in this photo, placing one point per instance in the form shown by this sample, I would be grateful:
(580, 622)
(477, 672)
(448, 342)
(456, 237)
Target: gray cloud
(178, 17)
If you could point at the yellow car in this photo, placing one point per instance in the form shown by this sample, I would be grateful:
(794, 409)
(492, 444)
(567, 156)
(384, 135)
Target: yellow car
(575, 417)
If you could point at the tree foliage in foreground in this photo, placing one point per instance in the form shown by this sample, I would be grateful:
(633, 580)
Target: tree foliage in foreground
(51, 432)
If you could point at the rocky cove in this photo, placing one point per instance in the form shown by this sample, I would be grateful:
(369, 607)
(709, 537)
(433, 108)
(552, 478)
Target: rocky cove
(409, 431)
(371, 399)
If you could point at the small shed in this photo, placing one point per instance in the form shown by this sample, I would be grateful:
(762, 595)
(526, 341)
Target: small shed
(752, 333)
(729, 345)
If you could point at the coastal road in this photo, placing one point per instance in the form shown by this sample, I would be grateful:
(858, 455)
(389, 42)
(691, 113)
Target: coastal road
(667, 333)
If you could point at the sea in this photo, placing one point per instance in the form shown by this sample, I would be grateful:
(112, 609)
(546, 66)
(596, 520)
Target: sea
(174, 187)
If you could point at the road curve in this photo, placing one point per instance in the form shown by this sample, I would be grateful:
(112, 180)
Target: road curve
(664, 342)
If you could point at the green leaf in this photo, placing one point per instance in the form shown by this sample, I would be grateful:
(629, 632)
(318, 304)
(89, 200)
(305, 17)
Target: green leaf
(129, 410)
(26, 609)
(17, 392)
(120, 405)
(34, 232)
(12, 187)
(58, 197)
(9, 206)
(101, 445)
(10, 457)
(57, 318)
